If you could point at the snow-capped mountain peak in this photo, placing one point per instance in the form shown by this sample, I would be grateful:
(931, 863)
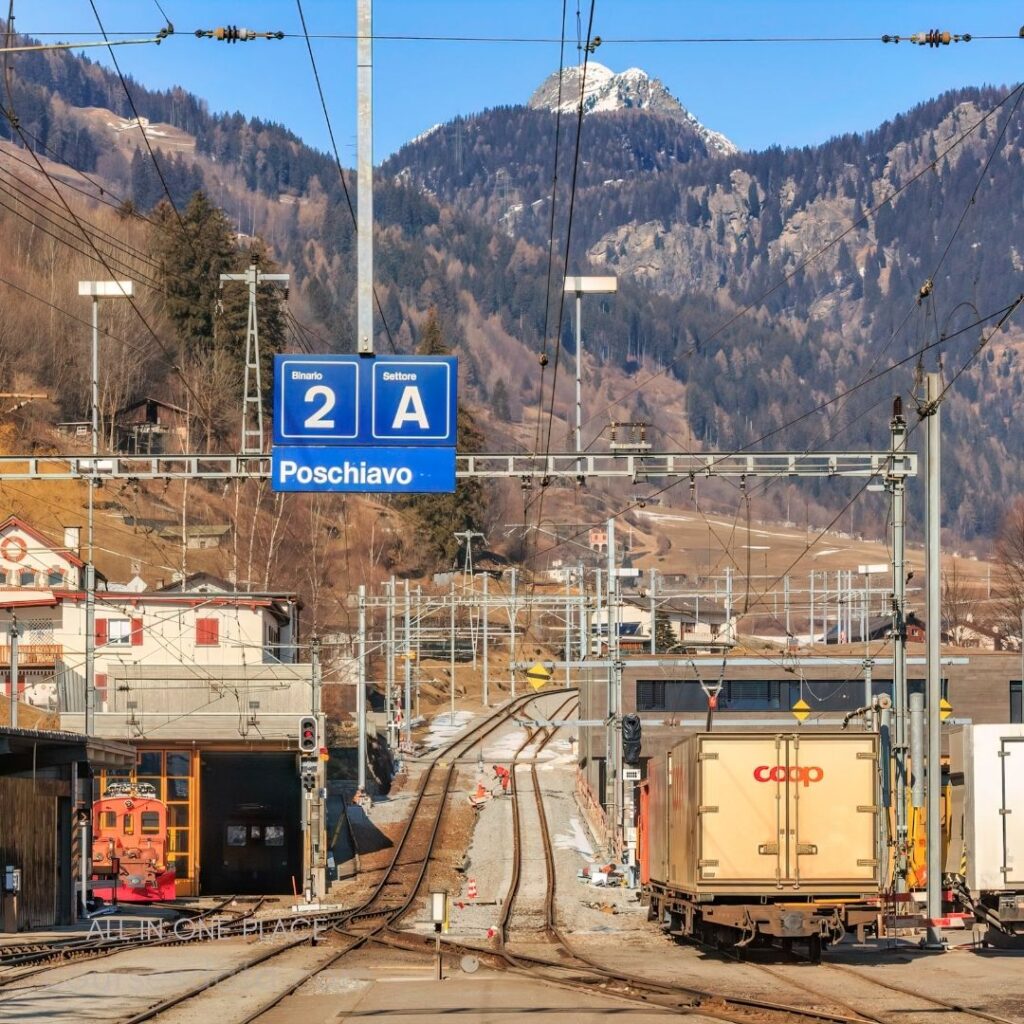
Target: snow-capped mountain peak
(632, 89)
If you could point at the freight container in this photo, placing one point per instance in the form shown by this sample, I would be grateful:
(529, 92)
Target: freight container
(754, 835)
(986, 848)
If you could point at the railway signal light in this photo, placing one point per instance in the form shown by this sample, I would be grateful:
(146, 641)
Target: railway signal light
(309, 742)
(631, 739)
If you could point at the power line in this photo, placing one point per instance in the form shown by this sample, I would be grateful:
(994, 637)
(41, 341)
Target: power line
(817, 254)
(142, 132)
(337, 161)
(551, 233)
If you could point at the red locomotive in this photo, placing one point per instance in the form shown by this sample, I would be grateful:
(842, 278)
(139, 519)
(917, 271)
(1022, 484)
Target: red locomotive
(129, 829)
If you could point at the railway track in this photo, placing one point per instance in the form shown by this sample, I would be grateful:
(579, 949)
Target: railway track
(60, 952)
(369, 921)
(930, 1004)
(575, 969)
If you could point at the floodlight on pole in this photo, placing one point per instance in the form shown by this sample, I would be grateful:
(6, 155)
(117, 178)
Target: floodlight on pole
(95, 290)
(579, 286)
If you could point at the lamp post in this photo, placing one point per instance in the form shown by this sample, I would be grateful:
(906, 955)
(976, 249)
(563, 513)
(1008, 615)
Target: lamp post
(579, 286)
(95, 290)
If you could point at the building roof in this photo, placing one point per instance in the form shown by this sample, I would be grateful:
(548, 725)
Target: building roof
(28, 750)
(148, 401)
(20, 524)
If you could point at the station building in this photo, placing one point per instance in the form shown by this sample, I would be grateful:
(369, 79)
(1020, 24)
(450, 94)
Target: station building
(205, 685)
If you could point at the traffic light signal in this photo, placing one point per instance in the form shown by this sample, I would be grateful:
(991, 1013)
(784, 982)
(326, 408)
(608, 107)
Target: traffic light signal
(308, 740)
(631, 739)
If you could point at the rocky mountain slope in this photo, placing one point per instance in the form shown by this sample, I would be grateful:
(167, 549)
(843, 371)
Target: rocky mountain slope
(695, 231)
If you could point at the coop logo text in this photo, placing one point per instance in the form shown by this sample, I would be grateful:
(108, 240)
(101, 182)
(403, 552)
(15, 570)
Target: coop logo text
(788, 773)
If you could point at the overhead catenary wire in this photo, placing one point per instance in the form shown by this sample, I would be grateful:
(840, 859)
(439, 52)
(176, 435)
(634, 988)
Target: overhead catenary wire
(15, 123)
(551, 233)
(143, 133)
(749, 306)
(337, 162)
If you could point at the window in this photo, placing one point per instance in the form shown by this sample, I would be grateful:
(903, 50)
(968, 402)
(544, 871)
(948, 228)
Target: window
(119, 632)
(150, 823)
(55, 578)
(236, 835)
(650, 695)
(207, 632)
(273, 835)
(27, 577)
(128, 828)
(110, 819)
(1016, 701)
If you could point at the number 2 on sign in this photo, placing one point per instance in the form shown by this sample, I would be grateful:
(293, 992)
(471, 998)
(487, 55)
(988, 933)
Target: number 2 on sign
(316, 420)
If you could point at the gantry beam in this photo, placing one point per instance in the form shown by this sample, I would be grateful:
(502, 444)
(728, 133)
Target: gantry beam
(563, 466)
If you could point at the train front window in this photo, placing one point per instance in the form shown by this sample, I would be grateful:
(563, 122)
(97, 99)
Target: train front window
(128, 825)
(273, 835)
(150, 823)
(109, 819)
(236, 835)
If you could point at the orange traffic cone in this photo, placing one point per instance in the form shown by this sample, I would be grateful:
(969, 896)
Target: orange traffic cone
(471, 893)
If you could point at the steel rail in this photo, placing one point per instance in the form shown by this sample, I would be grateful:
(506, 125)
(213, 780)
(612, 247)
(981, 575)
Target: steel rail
(508, 905)
(61, 953)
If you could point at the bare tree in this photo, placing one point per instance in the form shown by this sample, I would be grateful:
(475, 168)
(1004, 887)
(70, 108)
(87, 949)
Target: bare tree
(959, 605)
(1009, 552)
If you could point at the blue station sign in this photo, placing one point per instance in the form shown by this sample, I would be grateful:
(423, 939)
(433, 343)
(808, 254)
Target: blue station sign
(356, 400)
(366, 470)
(381, 424)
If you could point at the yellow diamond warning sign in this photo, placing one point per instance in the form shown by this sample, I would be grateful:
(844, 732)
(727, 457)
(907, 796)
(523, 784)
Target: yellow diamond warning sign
(538, 675)
(801, 709)
(945, 709)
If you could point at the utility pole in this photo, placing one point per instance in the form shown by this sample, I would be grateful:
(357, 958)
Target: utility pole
(408, 669)
(933, 638)
(897, 486)
(486, 631)
(361, 692)
(252, 396)
(95, 290)
(389, 651)
(579, 285)
(466, 536)
(512, 617)
(451, 641)
(613, 744)
(654, 610)
(14, 671)
(364, 178)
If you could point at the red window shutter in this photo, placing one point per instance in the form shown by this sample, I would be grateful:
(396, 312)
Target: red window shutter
(207, 632)
(101, 632)
(136, 632)
(101, 685)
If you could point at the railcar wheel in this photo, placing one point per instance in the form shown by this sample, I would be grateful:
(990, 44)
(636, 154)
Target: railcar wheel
(814, 949)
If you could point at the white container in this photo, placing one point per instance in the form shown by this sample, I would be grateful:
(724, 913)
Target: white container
(987, 835)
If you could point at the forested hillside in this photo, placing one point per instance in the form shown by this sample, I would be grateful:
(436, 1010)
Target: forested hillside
(463, 217)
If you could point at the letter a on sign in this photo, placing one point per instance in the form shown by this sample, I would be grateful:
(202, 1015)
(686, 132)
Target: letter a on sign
(410, 410)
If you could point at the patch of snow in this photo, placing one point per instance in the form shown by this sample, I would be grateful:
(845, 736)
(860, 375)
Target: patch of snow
(444, 728)
(576, 839)
(425, 135)
(605, 91)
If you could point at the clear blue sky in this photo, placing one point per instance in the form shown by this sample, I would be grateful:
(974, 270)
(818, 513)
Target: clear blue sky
(756, 93)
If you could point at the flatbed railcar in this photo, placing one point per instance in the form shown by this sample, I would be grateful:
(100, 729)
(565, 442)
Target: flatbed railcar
(750, 839)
